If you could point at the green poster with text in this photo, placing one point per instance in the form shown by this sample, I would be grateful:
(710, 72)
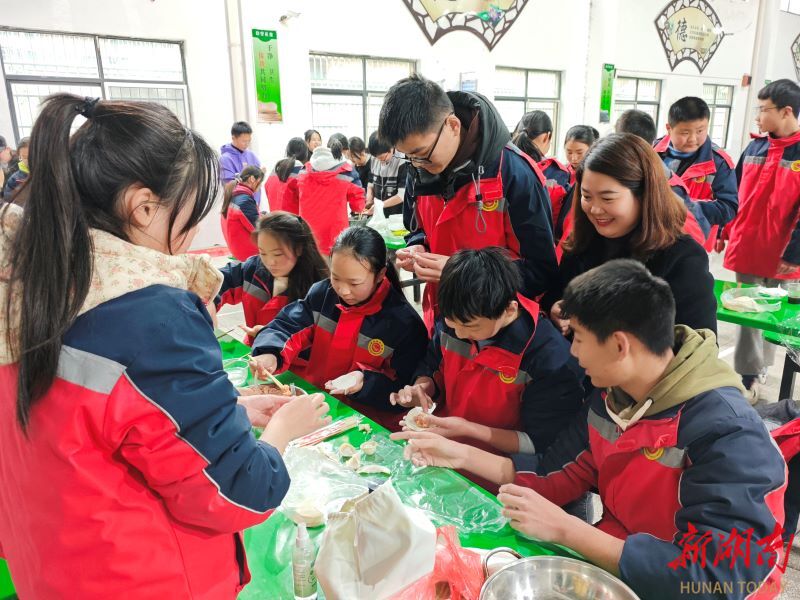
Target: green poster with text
(268, 80)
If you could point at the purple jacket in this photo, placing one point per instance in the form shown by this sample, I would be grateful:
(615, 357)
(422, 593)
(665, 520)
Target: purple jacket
(232, 161)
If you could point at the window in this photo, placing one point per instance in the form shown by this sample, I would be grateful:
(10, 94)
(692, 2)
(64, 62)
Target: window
(791, 6)
(37, 64)
(641, 94)
(518, 91)
(347, 91)
(720, 100)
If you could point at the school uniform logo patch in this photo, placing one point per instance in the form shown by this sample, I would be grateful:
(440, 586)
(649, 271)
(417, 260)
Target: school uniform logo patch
(491, 205)
(488, 19)
(796, 166)
(701, 179)
(507, 378)
(653, 453)
(376, 347)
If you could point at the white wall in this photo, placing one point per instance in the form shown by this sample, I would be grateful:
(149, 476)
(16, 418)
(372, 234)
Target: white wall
(200, 25)
(573, 36)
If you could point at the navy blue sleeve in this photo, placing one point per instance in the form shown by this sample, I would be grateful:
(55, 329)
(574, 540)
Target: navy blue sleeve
(431, 362)
(791, 254)
(692, 286)
(530, 217)
(232, 284)
(249, 209)
(292, 330)
(723, 208)
(696, 208)
(555, 393)
(198, 422)
(733, 476)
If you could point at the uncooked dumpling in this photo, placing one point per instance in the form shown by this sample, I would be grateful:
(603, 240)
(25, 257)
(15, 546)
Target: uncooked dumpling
(369, 447)
(347, 450)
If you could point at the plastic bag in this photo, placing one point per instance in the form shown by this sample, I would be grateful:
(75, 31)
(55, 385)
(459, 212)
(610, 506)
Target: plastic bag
(457, 573)
(789, 337)
(755, 299)
(379, 222)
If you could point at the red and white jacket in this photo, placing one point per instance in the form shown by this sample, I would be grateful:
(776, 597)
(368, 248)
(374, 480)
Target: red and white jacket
(767, 228)
(138, 471)
(240, 222)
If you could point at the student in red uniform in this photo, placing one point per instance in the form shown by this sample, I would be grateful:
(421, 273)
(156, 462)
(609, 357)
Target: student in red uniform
(577, 142)
(240, 212)
(468, 186)
(322, 193)
(679, 459)
(627, 210)
(764, 245)
(358, 322)
(534, 135)
(288, 263)
(501, 375)
(703, 166)
(296, 157)
(128, 468)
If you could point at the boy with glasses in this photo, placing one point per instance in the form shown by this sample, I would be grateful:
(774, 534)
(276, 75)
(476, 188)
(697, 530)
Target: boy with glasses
(764, 239)
(468, 186)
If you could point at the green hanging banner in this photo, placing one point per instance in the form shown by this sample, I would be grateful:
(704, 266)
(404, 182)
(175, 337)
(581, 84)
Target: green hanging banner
(268, 80)
(606, 92)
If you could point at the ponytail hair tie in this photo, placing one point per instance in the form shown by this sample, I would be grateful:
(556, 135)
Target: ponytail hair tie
(87, 108)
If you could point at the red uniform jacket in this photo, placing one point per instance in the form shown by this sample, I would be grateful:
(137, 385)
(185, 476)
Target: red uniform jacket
(322, 198)
(240, 222)
(767, 229)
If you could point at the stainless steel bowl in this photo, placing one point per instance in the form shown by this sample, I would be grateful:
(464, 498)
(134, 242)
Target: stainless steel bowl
(552, 578)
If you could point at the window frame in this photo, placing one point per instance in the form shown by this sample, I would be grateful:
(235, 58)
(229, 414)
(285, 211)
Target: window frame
(790, 6)
(635, 103)
(528, 98)
(716, 104)
(364, 93)
(101, 81)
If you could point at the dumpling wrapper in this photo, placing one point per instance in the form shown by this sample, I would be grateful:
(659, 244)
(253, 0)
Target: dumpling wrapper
(369, 447)
(345, 382)
(347, 450)
(411, 419)
(354, 462)
(370, 469)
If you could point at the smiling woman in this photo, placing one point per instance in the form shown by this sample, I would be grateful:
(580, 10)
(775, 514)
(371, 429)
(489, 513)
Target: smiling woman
(627, 210)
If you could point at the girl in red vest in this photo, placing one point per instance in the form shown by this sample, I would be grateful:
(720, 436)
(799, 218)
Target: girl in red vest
(357, 323)
(322, 193)
(240, 212)
(288, 263)
(287, 168)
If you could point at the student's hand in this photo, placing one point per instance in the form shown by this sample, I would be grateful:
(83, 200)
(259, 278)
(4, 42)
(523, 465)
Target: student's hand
(719, 245)
(261, 407)
(534, 515)
(261, 365)
(448, 427)
(784, 268)
(298, 417)
(425, 449)
(251, 331)
(358, 377)
(418, 394)
(428, 266)
(555, 317)
(405, 257)
(370, 211)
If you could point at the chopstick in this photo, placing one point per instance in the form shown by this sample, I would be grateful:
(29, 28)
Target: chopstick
(281, 386)
(222, 335)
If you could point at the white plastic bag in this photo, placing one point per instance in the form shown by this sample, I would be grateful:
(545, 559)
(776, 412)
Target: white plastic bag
(374, 547)
(379, 222)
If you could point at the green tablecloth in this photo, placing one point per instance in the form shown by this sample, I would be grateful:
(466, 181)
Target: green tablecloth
(269, 544)
(781, 321)
(6, 587)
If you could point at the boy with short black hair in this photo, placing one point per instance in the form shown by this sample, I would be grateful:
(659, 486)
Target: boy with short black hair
(764, 245)
(387, 176)
(503, 374)
(468, 186)
(679, 458)
(703, 166)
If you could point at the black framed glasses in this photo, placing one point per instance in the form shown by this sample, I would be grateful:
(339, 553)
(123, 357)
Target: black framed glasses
(427, 160)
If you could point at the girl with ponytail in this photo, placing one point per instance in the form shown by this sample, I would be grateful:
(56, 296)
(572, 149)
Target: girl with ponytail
(297, 155)
(364, 337)
(121, 443)
(625, 208)
(240, 212)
